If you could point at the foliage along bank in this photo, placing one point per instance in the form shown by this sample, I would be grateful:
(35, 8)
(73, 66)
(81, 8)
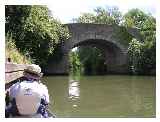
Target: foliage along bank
(14, 54)
(142, 55)
(35, 32)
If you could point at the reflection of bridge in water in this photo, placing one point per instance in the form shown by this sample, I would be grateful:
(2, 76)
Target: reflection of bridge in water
(111, 39)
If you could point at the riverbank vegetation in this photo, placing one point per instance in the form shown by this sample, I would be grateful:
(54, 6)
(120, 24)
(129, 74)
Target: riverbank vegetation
(14, 54)
(34, 31)
(93, 60)
(75, 64)
(142, 55)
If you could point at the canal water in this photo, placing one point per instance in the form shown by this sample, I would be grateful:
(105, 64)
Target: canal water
(102, 96)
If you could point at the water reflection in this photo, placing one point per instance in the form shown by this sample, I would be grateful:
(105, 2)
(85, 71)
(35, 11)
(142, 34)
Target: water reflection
(102, 96)
(136, 100)
(74, 92)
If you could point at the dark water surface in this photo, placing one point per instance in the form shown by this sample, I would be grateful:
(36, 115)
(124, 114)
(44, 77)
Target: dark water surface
(102, 96)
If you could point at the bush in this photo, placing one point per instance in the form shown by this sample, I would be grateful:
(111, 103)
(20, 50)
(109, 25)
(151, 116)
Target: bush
(35, 31)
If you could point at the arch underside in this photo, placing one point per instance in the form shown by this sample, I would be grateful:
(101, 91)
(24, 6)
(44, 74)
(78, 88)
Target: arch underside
(111, 51)
(115, 57)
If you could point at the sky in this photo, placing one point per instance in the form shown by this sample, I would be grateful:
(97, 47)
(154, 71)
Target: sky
(66, 10)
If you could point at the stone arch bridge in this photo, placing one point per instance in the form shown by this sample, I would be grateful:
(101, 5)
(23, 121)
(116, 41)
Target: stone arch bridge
(111, 39)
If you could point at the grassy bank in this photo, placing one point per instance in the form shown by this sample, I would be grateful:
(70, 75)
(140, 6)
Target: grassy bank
(12, 52)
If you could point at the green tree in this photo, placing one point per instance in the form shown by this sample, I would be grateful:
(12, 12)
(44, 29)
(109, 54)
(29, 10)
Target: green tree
(146, 57)
(35, 31)
(110, 15)
(92, 59)
(135, 55)
(85, 18)
(75, 64)
(134, 18)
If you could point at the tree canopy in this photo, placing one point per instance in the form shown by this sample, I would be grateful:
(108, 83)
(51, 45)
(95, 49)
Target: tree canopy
(142, 54)
(35, 31)
(109, 16)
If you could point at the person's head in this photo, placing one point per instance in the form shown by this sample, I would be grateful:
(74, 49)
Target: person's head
(33, 71)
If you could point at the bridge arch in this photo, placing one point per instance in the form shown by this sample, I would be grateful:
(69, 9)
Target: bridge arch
(114, 54)
(105, 37)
